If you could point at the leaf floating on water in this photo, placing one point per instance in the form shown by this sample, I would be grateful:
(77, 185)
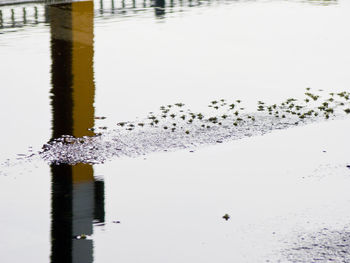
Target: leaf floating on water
(226, 217)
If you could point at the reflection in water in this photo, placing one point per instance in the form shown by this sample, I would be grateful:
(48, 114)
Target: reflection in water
(13, 22)
(77, 202)
(159, 8)
(36, 14)
(9, 17)
(1, 20)
(77, 199)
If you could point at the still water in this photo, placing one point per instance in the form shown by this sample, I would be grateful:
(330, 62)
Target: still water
(69, 67)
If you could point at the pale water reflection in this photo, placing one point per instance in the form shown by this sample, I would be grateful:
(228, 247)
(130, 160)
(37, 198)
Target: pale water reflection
(68, 63)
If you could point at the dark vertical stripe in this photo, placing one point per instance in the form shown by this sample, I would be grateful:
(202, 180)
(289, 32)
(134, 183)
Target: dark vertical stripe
(61, 69)
(62, 124)
(99, 213)
(61, 213)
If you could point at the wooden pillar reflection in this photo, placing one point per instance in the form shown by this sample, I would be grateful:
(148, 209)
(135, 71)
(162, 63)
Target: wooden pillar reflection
(73, 91)
(82, 68)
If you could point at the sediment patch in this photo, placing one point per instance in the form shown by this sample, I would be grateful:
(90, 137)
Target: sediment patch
(176, 127)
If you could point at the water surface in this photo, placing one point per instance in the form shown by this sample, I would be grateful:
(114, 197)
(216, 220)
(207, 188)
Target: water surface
(70, 67)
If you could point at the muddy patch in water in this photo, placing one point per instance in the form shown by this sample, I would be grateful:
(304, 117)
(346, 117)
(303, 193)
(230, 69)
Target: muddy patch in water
(176, 127)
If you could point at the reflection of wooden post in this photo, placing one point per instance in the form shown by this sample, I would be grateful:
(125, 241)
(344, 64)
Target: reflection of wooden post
(61, 69)
(83, 118)
(101, 6)
(61, 78)
(82, 68)
(72, 68)
(159, 8)
(1, 20)
(36, 14)
(13, 18)
(61, 214)
(24, 15)
(73, 113)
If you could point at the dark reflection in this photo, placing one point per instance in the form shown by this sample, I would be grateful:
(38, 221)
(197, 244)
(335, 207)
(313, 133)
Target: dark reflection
(1, 20)
(46, 14)
(101, 7)
(112, 6)
(77, 202)
(77, 198)
(13, 21)
(61, 212)
(159, 8)
(99, 194)
(24, 16)
(36, 15)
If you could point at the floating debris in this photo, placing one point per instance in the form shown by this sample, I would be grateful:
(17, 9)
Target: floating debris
(226, 217)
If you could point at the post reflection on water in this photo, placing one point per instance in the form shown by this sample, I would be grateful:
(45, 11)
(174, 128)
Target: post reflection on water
(77, 197)
(159, 8)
